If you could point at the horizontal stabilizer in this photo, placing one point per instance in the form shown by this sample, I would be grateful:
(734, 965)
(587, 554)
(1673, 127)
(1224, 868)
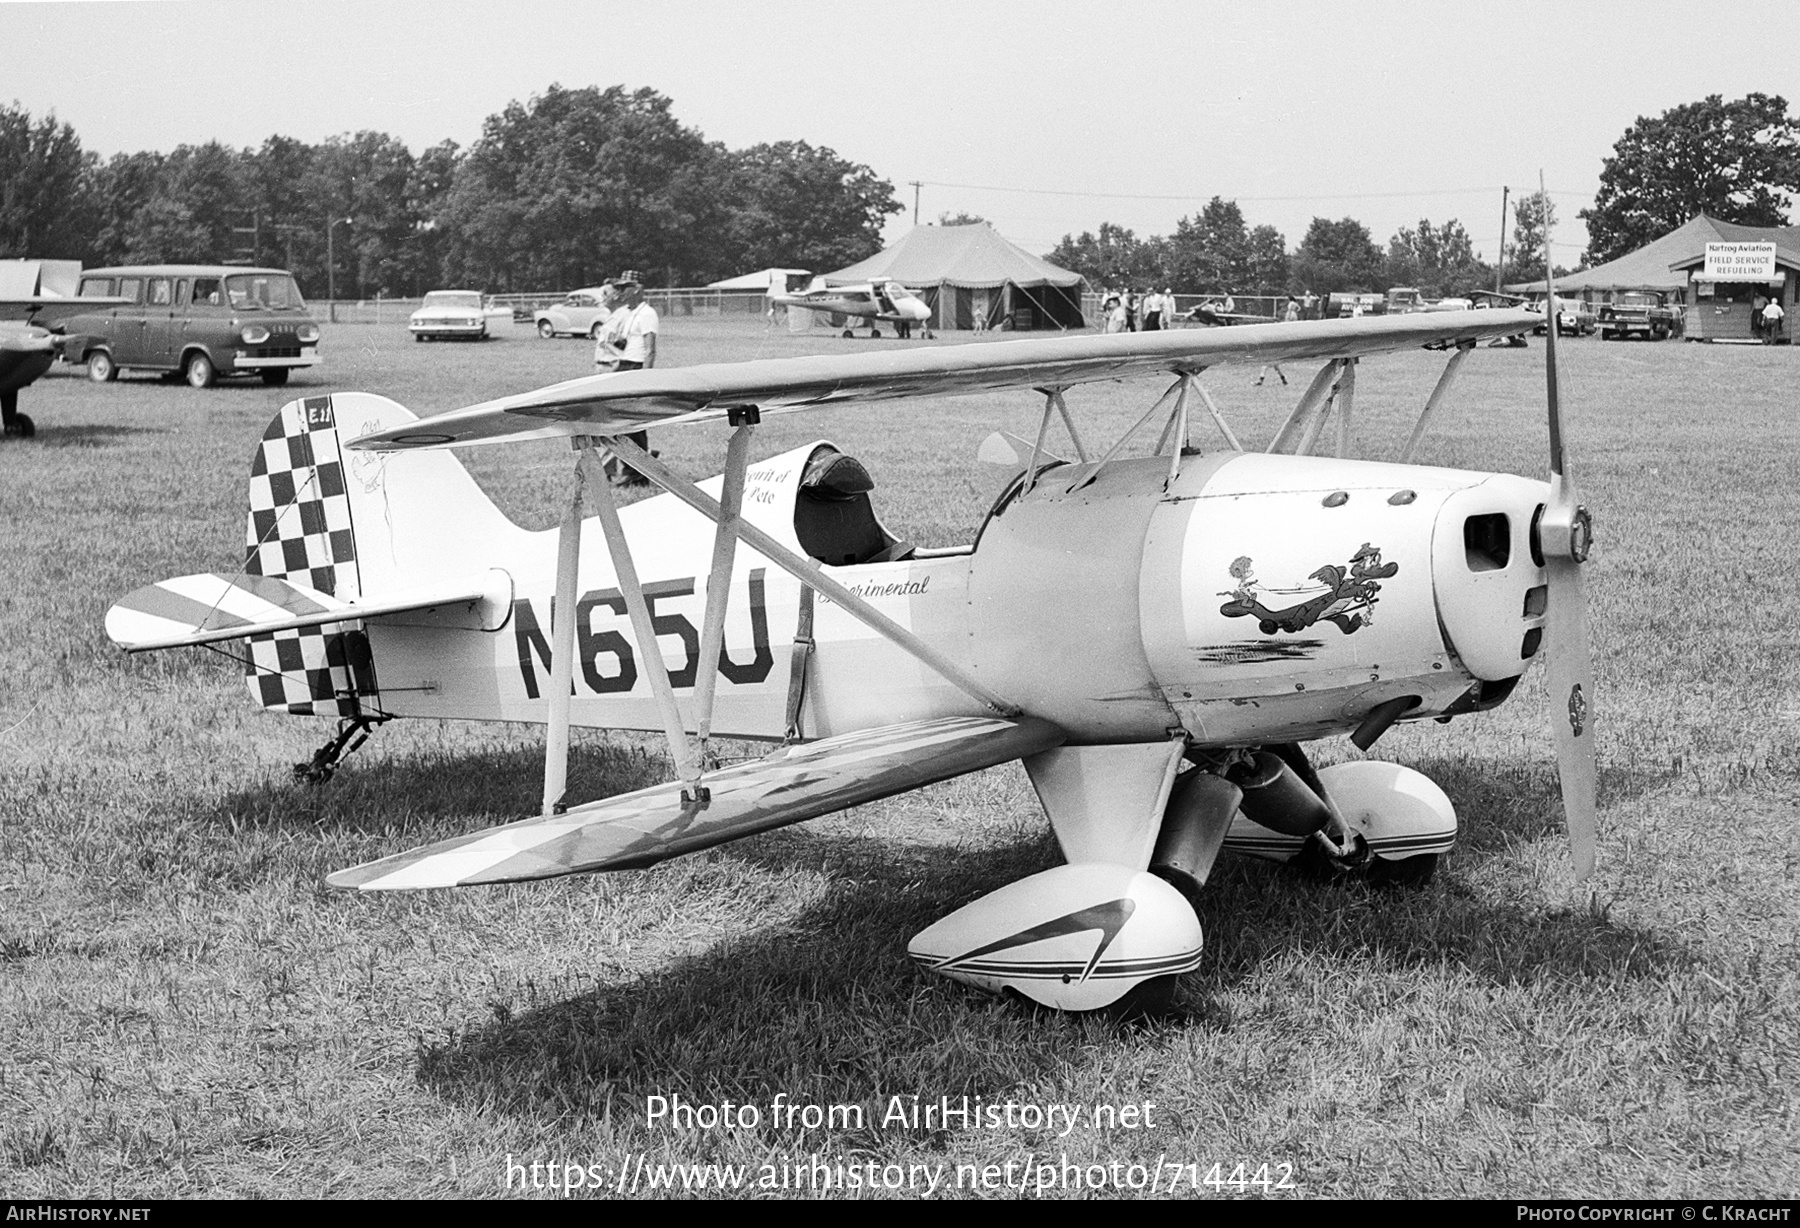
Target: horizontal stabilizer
(209, 607)
(640, 829)
(627, 401)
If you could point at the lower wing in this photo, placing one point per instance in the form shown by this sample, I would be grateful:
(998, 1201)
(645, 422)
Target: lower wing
(640, 829)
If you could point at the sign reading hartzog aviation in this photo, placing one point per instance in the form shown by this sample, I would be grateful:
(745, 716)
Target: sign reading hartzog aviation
(1740, 262)
(1154, 635)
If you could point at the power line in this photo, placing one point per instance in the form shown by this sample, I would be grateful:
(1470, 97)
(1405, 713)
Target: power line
(981, 187)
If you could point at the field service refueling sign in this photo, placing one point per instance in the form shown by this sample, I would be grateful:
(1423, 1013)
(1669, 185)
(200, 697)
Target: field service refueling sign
(1740, 262)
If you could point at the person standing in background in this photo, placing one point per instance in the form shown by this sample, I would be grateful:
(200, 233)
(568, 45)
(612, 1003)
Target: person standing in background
(606, 342)
(1772, 314)
(634, 326)
(1154, 311)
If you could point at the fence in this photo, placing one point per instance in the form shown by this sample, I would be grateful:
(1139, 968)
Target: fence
(678, 302)
(702, 302)
(382, 310)
(377, 310)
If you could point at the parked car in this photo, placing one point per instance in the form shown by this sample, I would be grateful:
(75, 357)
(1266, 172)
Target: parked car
(204, 321)
(579, 315)
(1574, 318)
(448, 315)
(1637, 313)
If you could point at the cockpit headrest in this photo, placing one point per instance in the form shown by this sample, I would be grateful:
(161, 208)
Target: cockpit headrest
(832, 476)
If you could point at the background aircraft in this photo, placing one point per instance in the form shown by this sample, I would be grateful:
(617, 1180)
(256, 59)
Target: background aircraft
(1215, 316)
(1155, 636)
(26, 352)
(35, 297)
(874, 301)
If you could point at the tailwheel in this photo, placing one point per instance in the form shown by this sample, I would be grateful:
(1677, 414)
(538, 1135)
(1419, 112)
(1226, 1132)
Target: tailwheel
(352, 732)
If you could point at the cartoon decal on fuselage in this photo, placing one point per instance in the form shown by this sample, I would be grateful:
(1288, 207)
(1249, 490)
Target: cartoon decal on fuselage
(1348, 598)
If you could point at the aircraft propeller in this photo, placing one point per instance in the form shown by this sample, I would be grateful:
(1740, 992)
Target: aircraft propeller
(1563, 537)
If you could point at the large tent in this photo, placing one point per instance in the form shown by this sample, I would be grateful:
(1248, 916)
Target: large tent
(970, 272)
(1648, 268)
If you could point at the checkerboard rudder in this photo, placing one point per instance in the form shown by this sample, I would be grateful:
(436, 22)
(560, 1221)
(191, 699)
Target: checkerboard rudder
(300, 528)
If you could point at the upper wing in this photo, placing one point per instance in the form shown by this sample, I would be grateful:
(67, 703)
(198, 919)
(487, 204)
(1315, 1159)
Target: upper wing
(207, 608)
(640, 829)
(629, 400)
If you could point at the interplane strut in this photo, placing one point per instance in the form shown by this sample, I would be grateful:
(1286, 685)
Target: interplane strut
(562, 635)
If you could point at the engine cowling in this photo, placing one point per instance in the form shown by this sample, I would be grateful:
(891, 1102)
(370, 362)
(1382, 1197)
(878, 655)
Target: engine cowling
(1256, 598)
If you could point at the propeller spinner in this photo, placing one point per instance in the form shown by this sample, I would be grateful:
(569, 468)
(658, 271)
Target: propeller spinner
(1564, 537)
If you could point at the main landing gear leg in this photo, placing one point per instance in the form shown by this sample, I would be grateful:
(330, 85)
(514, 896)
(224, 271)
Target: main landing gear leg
(1334, 848)
(352, 732)
(15, 422)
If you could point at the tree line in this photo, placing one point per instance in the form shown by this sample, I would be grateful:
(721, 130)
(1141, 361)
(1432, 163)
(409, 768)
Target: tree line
(560, 191)
(576, 184)
(1216, 251)
(1736, 161)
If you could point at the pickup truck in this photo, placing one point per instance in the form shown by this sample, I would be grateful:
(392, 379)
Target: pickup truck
(1636, 313)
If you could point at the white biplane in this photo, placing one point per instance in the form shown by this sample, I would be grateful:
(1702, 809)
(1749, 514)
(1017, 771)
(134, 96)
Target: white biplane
(1154, 636)
(883, 298)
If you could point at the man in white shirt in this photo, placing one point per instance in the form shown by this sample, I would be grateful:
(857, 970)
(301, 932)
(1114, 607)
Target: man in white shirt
(1771, 318)
(632, 329)
(636, 323)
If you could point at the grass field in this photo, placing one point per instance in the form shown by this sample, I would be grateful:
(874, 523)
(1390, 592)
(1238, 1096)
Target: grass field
(186, 1011)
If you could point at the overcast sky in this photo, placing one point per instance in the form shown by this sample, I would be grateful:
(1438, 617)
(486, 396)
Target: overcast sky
(1047, 118)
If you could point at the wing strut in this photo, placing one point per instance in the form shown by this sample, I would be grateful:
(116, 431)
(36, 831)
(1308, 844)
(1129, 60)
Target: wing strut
(1052, 397)
(1176, 428)
(1437, 395)
(1081, 452)
(1299, 426)
(718, 583)
(562, 634)
(1217, 417)
(1178, 424)
(687, 766)
(1342, 396)
(1173, 390)
(1053, 400)
(807, 572)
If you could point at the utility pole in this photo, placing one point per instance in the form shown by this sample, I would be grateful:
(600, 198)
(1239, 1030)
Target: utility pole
(1500, 266)
(916, 185)
(331, 265)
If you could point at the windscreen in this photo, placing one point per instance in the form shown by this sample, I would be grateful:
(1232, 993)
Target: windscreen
(453, 298)
(263, 291)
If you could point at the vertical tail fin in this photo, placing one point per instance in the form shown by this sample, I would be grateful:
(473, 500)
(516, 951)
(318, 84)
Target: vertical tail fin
(300, 529)
(351, 524)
